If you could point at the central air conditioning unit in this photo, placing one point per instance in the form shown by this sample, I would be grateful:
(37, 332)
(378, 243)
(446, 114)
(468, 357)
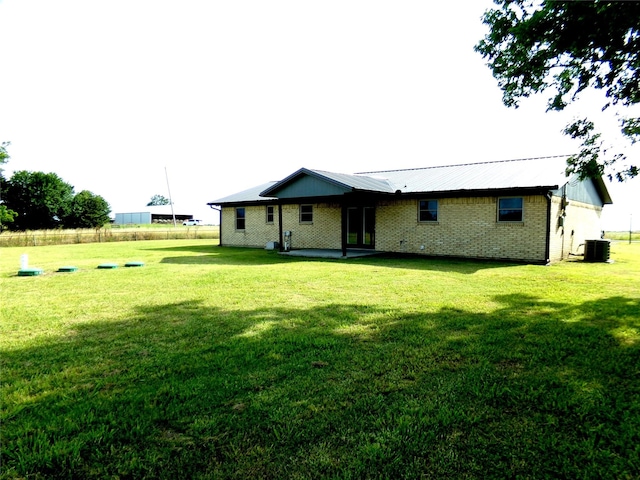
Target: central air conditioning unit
(597, 250)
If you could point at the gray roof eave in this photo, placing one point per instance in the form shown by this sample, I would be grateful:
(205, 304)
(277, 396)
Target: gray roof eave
(541, 189)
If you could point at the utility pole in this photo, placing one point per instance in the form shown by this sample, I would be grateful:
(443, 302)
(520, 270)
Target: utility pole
(173, 215)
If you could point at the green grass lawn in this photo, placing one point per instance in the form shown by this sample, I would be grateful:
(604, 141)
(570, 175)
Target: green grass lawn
(213, 362)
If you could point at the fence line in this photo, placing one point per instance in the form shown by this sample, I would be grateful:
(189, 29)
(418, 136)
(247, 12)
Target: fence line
(65, 237)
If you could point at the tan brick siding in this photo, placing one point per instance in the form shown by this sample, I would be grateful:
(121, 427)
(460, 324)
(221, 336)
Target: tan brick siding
(323, 232)
(466, 227)
(582, 222)
(257, 231)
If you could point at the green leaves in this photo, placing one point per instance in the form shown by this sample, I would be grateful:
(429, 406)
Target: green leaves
(43, 201)
(158, 200)
(4, 155)
(631, 128)
(566, 48)
(88, 211)
(593, 159)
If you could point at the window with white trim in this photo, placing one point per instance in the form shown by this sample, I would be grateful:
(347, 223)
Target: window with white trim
(270, 213)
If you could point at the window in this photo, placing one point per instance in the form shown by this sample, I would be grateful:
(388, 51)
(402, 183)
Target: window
(428, 211)
(269, 213)
(240, 218)
(510, 209)
(306, 213)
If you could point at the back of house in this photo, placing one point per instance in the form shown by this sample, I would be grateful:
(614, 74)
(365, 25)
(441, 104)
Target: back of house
(517, 210)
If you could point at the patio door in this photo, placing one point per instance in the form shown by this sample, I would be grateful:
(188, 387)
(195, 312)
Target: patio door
(361, 227)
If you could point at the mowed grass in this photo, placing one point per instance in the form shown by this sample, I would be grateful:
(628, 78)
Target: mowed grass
(214, 362)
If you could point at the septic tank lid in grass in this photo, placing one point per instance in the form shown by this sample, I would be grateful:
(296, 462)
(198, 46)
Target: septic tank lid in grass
(67, 268)
(134, 264)
(108, 265)
(30, 272)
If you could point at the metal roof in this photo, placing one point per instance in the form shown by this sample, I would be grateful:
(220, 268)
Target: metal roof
(532, 173)
(246, 196)
(548, 172)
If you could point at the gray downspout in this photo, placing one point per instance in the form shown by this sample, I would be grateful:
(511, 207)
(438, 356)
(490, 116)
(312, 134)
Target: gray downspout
(563, 212)
(220, 227)
(343, 229)
(547, 250)
(280, 244)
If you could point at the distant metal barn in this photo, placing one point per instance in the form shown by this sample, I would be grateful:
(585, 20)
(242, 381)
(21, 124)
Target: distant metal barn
(145, 218)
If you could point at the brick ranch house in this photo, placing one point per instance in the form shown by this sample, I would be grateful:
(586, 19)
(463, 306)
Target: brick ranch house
(516, 210)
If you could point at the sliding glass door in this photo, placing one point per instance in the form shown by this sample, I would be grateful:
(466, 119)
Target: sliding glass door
(361, 226)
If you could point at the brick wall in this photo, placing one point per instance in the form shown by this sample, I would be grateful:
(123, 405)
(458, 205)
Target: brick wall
(466, 227)
(323, 232)
(257, 231)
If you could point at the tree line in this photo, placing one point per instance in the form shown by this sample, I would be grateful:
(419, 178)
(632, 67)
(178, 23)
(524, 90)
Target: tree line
(37, 200)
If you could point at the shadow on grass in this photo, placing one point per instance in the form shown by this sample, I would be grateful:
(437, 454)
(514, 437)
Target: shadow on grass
(216, 255)
(532, 389)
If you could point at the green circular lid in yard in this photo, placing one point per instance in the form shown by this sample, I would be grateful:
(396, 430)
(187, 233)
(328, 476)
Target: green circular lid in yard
(108, 265)
(30, 272)
(68, 268)
(134, 264)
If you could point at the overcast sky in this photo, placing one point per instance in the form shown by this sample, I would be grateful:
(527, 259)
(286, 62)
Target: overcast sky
(226, 95)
